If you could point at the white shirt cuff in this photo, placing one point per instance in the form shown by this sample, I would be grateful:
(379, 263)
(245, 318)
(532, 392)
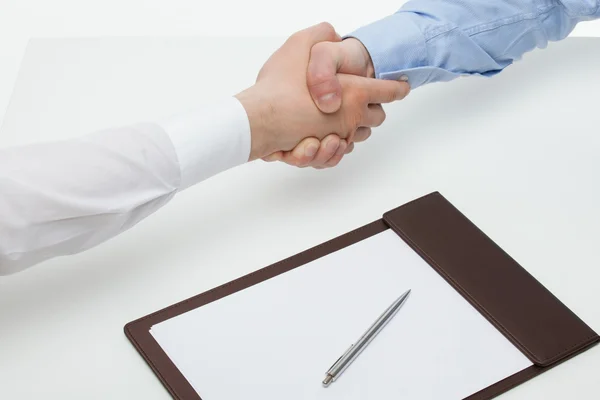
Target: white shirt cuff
(209, 139)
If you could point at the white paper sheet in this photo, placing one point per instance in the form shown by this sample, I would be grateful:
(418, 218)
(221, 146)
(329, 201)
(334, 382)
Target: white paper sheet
(276, 340)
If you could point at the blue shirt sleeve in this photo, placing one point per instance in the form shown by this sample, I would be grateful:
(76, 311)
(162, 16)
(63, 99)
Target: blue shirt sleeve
(430, 41)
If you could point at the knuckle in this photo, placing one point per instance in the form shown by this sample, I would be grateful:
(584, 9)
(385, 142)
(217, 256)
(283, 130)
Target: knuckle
(295, 161)
(303, 163)
(359, 116)
(318, 77)
(318, 49)
(356, 97)
(326, 27)
(390, 96)
(334, 161)
(353, 121)
(362, 97)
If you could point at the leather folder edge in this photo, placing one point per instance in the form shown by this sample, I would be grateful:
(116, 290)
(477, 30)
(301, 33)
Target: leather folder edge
(416, 223)
(519, 378)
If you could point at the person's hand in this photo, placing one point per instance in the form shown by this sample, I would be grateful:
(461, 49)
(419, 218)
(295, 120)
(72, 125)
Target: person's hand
(320, 154)
(327, 60)
(280, 108)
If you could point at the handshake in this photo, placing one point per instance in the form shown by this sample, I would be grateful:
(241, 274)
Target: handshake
(314, 98)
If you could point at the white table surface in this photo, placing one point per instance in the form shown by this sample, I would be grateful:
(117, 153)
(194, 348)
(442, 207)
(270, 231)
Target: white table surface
(517, 154)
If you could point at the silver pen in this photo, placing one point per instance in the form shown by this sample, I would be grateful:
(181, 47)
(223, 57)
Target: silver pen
(350, 355)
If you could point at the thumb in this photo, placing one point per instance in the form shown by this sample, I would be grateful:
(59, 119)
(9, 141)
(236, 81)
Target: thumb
(377, 91)
(326, 59)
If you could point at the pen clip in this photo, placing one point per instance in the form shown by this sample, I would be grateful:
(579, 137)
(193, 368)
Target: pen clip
(342, 356)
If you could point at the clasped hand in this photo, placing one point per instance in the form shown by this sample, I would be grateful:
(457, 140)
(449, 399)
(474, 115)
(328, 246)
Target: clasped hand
(314, 98)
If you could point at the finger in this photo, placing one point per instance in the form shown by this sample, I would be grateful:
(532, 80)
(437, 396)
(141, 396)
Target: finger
(326, 59)
(335, 157)
(384, 91)
(375, 91)
(335, 160)
(328, 149)
(350, 148)
(303, 154)
(277, 156)
(374, 116)
(362, 134)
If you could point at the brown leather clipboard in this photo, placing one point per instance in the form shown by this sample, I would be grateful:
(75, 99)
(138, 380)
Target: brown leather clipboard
(512, 300)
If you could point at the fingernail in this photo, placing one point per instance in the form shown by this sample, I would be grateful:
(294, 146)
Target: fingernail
(311, 150)
(327, 97)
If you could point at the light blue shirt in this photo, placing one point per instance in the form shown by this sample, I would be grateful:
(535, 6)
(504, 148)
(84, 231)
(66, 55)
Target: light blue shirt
(430, 41)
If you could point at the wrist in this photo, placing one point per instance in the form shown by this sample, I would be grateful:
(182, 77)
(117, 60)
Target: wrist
(259, 111)
(360, 52)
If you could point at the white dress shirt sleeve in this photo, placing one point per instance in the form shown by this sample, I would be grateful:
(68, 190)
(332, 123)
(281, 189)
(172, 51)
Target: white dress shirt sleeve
(61, 198)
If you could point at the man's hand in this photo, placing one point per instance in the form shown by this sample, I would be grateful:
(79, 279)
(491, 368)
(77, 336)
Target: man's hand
(327, 61)
(282, 112)
(320, 154)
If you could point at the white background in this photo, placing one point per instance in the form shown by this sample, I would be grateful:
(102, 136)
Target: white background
(534, 190)
(23, 19)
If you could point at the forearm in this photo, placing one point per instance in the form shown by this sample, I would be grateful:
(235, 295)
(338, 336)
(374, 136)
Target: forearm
(431, 40)
(65, 197)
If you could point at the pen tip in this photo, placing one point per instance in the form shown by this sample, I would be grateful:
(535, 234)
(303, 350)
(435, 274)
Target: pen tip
(327, 380)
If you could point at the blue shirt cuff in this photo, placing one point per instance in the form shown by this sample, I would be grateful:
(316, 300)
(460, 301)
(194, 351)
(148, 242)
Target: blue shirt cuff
(406, 59)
